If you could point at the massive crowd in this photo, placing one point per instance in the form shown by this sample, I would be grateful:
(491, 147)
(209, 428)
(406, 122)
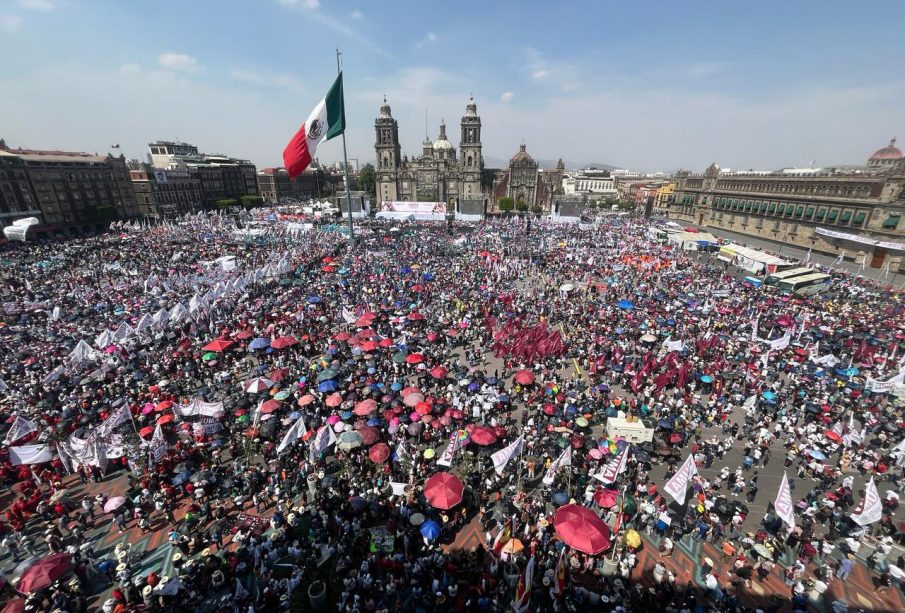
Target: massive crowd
(282, 404)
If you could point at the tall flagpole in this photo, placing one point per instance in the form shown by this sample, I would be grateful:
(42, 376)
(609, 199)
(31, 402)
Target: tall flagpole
(346, 159)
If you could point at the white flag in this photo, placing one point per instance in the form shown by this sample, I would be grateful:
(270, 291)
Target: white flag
(870, 509)
(3, 386)
(564, 459)
(677, 486)
(297, 431)
(119, 416)
(30, 454)
(783, 502)
(780, 343)
(502, 457)
(399, 489)
(614, 467)
(449, 453)
(321, 441)
(348, 316)
(20, 428)
(754, 328)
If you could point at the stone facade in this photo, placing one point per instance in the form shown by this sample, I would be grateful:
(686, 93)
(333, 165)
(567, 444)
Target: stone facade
(857, 211)
(438, 174)
(70, 192)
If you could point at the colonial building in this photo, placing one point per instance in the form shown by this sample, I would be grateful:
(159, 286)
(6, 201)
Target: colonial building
(525, 182)
(313, 183)
(855, 210)
(162, 193)
(69, 192)
(438, 174)
(221, 177)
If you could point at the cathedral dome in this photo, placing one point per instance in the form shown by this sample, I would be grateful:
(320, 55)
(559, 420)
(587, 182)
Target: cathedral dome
(522, 155)
(442, 143)
(888, 153)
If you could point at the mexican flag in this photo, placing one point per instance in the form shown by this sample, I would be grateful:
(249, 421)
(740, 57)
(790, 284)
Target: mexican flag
(328, 119)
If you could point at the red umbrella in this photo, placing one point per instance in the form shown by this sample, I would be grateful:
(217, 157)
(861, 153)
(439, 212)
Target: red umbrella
(165, 419)
(369, 435)
(581, 529)
(163, 406)
(833, 436)
(283, 342)
(424, 407)
(368, 346)
(438, 372)
(365, 320)
(343, 336)
(44, 572)
(379, 453)
(271, 406)
(549, 409)
(306, 400)
(334, 400)
(146, 431)
(414, 358)
(14, 606)
(524, 377)
(443, 490)
(278, 375)
(415, 316)
(218, 345)
(483, 435)
(244, 334)
(606, 498)
(409, 391)
(386, 342)
(365, 407)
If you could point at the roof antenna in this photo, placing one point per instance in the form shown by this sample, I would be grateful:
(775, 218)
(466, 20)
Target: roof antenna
(426, 135)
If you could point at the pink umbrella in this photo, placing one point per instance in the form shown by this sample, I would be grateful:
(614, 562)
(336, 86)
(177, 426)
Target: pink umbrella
(412, 400)
(334, 400)
(415, 416)
(114, 503)
(147, 408)
(332, 419)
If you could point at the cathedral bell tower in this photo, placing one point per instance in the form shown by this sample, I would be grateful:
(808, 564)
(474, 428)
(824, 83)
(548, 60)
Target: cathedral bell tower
(470, 160)
(388, 154)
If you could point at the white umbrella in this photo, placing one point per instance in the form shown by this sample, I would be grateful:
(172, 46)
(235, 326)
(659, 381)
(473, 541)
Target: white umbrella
(258, 385)
(114, 503)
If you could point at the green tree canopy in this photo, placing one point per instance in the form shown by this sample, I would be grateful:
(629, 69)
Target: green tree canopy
(506, 203)
(367, 180)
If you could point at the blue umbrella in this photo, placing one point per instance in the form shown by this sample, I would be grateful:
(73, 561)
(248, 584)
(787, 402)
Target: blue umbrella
(181, 478)
(327, 386)
(428, 276)
(817, 454)
(294, 415)
(405, 270)
(373, 422)
(769, 396)
(620, 330)
(396, 386)
(473, 387)
(706, 379)
(560, 498)
(626, 305)
(259, 343)
(503, 397)
(666, 424)
(430, 530)
(314, 299)
(346, 415)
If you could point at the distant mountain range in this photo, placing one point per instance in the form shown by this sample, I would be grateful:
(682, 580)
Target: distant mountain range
(492, 162)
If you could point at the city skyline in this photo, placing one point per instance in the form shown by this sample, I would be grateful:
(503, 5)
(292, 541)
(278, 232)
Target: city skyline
(655, 87)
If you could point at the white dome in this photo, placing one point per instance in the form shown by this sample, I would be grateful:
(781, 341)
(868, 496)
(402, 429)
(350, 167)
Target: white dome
(442, 143)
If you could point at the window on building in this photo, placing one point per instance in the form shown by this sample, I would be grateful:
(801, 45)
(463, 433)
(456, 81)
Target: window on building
(772, 208)
(846, 217)
(832, 215)
(860, 216)
(821, 213)
(892, 222)
(809, 212)
(799, 211)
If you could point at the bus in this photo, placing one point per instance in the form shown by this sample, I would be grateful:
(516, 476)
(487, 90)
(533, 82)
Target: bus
(776, 277)
(805, 285)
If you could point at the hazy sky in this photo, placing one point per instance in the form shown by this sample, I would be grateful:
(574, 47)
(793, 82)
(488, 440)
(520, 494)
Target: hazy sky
(648, 85)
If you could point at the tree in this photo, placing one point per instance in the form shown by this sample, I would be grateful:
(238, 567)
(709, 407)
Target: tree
(537, 209)
(225, 203)
(251, 201)
(367, 180)
(506, 204)
(521, 206)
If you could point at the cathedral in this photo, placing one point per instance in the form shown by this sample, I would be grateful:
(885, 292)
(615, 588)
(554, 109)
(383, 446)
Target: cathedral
(441, 174)
(438, 174)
